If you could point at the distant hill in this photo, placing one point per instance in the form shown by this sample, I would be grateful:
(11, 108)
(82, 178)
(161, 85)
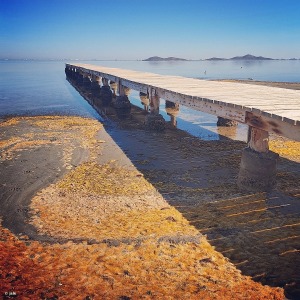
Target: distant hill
(216, 58)
(250, 57)
(245, 57)
(157, 58)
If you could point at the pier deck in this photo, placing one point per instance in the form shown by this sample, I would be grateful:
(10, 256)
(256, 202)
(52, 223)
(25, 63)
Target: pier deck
(271, 109)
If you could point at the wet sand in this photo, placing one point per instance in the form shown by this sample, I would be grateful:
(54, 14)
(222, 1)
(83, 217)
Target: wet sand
(80, 213)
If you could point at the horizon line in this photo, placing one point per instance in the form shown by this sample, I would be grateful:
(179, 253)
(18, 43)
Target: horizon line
(117, 59)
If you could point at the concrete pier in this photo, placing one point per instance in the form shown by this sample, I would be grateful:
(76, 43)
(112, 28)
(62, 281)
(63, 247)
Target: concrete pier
(264, 109)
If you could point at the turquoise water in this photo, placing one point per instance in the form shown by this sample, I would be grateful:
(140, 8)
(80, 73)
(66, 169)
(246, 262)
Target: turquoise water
(40, 87)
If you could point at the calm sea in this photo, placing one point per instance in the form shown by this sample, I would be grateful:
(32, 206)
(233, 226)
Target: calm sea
(40, 88)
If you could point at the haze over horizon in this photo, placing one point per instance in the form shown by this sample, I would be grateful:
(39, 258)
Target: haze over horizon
(136, 30)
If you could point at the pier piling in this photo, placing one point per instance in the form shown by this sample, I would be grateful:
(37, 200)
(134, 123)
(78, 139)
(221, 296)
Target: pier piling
(258, 163)
(172, 110)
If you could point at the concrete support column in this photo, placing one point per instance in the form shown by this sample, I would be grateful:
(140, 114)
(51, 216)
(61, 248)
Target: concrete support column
(154, 120)
(172, 110)
(105, 93)
(105, 81)
(95, 85)
(75, 74)
(226, 122)
(114, 87)
(86, 81)
(145, 101)
(154, 104)
(68, 71)
(258, 140)
(72, 72)
(123, 90)
(123, 104)
(79, 78)
(258, 164)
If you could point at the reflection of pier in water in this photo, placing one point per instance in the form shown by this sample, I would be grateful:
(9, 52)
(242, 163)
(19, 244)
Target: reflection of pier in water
(263, 111)
(107, 108)
(139, 110)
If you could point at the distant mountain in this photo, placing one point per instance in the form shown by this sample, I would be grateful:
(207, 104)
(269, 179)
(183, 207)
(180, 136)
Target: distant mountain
(157, 58)
(245, 57)
(250, 57)
(216, 58)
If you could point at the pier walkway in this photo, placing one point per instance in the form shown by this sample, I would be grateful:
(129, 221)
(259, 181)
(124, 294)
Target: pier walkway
(265, 109)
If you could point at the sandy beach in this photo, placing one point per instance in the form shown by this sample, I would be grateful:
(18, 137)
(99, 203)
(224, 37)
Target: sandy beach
(149, 150)
(124, 213)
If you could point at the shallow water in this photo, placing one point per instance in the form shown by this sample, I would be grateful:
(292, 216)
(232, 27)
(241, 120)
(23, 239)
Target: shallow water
(40, 88)
(264, 70)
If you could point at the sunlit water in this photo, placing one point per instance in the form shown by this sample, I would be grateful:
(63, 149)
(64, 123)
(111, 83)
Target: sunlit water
(40, 88)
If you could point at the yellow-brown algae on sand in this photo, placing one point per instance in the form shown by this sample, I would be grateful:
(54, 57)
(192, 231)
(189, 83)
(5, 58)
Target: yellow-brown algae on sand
(92, 221)
(83, 128)
(102, 200)
(119, 237)
(107, 179)
(9, 122)
(69, 132)
(147, 270)
(286, 148)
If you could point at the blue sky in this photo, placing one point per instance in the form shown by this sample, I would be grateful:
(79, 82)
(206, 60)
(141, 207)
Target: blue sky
(137, 29)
